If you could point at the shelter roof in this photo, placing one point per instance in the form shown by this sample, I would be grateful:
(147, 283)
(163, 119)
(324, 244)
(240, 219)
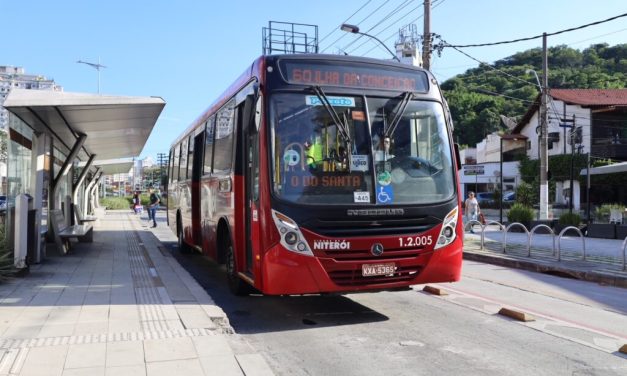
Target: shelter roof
(116, 126)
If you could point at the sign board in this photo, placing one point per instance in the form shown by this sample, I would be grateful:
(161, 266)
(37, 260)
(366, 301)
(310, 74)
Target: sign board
(474, 170)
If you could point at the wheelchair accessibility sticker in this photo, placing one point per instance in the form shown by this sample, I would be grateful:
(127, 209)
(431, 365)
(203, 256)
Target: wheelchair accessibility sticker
(385, 195)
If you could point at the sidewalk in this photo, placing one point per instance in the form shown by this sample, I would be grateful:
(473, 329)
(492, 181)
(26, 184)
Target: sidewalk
(118, 306)
(603, 262)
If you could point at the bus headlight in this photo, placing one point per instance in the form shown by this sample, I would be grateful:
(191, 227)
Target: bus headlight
(447, 233)
(291, 237)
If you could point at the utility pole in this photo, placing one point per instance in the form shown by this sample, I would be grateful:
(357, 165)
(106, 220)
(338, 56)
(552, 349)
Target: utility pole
(572, 159)
(161, 159)
(426, 37)
(544, 157)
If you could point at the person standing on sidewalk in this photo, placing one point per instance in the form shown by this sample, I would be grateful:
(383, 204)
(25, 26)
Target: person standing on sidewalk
(152, 207)
(472, 208)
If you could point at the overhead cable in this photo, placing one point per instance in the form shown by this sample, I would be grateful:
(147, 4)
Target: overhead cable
(537, 36)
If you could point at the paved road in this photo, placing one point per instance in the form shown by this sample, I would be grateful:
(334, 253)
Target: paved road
(414, 333)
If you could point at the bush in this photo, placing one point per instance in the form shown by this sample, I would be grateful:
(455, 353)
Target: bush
(116, 202)
(6, 257)
(525, 194)
(570, 219)
(602, 213)
(520, 213)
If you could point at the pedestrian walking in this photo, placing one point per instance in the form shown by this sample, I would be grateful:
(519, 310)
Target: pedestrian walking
(155, 200)
(472, 209)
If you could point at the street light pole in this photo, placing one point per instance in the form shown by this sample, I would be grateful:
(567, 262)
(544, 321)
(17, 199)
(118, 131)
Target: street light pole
(501, 175)
(544, 154)
(95, 66)
(355, 30)
(544, 159)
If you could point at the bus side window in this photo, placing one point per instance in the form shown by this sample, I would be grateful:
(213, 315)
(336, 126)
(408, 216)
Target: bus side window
(190, 156)
(183, 161)
(175, 164)
(209, 145)
(223, 154)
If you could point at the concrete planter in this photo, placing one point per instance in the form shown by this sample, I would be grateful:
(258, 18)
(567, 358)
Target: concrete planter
(621, 232)
(602, 230)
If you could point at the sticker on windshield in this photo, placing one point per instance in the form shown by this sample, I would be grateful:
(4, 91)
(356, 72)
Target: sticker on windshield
(359, 162)
(384, 178)
(313, 100)
(362, 197)
(385, 195)
(358, 115)
(291, 157)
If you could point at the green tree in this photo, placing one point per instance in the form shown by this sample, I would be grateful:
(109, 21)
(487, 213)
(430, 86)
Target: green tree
(476, 98)
(4, 146)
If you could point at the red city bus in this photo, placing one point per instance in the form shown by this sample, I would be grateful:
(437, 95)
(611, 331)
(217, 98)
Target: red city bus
(321, 174)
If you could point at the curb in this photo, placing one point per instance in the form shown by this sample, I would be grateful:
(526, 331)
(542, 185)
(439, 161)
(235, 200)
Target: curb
(544, 267)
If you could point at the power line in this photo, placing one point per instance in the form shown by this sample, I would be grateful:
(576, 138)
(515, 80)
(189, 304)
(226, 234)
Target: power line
(387, 16)
(598, 36)
(481, 90)
(445, 44)
(390, 25)
(434, 5)
(365, 18)
(538, 36)
(346, 20)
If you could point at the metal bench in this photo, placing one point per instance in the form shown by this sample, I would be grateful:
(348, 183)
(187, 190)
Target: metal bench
(63, 233)
(80, 218)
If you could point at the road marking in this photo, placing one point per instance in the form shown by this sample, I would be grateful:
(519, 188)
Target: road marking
(609, 343)
(539, 314)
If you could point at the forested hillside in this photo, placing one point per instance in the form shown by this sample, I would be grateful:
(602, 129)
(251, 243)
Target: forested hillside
(478, 97)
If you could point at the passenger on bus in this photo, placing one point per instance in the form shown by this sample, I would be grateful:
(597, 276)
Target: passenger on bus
(382, 153)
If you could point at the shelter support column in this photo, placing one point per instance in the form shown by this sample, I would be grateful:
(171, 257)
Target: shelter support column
(81, 179)
(66, 166)
(87, 198)
(37, 188)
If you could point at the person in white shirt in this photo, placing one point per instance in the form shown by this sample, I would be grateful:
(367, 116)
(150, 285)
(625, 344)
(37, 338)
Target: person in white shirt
(472, 208)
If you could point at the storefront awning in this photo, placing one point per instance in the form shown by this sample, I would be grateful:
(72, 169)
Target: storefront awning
(116, 126)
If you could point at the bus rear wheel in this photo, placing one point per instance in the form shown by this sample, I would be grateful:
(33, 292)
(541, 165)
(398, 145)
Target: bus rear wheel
(183, 247)
(236, 284)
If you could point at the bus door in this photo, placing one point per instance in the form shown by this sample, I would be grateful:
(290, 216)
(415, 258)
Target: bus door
(198, 161)
(251, 181)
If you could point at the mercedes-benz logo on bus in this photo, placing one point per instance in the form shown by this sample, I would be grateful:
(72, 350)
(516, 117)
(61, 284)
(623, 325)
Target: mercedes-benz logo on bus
(377, 249)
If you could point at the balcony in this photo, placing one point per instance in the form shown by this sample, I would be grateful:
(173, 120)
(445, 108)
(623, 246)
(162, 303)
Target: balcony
(616, 150)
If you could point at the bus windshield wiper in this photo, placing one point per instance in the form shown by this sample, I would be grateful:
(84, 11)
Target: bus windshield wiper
(389, 130)
(341, 124)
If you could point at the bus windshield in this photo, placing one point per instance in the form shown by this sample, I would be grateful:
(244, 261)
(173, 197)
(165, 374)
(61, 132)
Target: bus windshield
(397, 150)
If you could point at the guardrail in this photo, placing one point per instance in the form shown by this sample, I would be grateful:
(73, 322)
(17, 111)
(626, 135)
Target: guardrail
(531, 233)
(624, 258)
(559, 240)
(515, 224)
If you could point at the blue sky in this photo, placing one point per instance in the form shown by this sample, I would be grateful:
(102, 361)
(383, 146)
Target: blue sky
(188, 52)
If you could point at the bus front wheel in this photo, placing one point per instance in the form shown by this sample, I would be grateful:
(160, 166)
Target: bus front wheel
(236, 284)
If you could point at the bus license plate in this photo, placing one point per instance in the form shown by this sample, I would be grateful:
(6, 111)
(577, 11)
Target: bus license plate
(377, 269)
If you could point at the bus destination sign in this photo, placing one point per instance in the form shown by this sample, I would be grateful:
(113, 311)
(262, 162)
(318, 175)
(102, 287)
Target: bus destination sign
(370, 77)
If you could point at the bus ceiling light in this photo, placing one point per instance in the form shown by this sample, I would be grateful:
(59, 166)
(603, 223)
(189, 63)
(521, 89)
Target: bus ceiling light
(291, 236)
(447, 233)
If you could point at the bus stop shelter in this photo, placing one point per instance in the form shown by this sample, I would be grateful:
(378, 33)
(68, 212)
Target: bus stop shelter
(60, 145)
